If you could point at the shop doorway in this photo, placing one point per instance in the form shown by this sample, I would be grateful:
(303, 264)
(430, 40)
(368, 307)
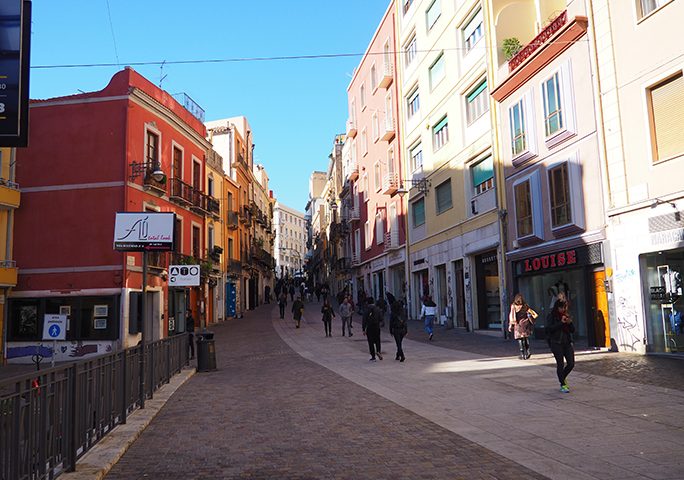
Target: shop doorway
(487, 281)
(600, 311)
(441, 289)
(378, 284)
(459, 317)
(422, 288)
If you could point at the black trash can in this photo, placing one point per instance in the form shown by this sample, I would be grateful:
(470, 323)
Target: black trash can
(206, 352)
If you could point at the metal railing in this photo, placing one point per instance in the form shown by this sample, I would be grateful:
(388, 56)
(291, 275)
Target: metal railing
(49, 419)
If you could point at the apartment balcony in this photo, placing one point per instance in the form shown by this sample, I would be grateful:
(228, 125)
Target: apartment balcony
(389, 133)
(387, 74)
(351, 213)
(8, 273)
(213, 206)
(234, 267)
(356, 258)
(343, 264)
(246, 215)
(390, 184)
(353, 171)
(351, 128)
(9, 194)
(180, 192)
(149, 182)
(543, 37)
(157, 261)
(232, 220)
(199, 202)
(392, 241)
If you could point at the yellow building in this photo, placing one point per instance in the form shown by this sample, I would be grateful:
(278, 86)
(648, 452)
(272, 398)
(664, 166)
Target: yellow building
(9, 201)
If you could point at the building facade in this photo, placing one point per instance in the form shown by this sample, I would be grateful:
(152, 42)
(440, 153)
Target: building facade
(372, 210)
(454, 252)
(548, 142)
(290, 240)
(111, 141)
(641, 108)
(10, 199)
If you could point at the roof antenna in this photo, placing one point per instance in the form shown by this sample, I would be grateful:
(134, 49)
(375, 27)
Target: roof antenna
(161, 73)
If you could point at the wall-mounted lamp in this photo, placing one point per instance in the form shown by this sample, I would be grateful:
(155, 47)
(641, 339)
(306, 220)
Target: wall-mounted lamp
(138, 169)
(657, 201)
(423, 186)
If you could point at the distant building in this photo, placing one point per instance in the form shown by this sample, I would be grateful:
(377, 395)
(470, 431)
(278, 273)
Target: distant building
(290, 240)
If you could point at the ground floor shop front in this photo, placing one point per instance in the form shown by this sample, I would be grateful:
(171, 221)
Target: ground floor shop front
(576, 272)
(648, 264)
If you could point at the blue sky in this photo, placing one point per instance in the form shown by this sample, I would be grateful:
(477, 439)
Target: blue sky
(295, 107)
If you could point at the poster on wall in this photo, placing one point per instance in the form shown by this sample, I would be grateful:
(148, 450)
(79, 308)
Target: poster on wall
(15, 37)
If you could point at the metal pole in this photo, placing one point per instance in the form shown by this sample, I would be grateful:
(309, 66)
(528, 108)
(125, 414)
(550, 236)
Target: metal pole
(142, 330)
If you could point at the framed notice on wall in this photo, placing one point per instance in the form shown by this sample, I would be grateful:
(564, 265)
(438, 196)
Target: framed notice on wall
(100, 313)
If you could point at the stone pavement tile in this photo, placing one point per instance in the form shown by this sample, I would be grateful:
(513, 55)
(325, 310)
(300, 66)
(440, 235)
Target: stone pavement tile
(281, 416)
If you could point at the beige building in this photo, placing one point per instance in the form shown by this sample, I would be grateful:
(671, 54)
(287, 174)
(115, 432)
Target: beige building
(290, 240)
(9, 202)
(454, 251)
(549, 146)
(641, 96)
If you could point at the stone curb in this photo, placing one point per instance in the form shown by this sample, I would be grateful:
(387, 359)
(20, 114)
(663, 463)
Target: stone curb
(95, 464)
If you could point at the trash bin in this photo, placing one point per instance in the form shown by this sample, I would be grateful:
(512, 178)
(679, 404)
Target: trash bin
(206, 353)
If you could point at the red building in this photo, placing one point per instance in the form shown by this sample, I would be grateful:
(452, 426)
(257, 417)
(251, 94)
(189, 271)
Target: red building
(79, 170)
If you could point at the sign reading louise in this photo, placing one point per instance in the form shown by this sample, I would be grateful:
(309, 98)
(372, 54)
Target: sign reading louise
(140, 231)
(15, 36)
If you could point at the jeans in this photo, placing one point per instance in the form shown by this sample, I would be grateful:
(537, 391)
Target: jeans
(428, 323)
(347, 322)
(328, 327)
(563, 351)
(282, 311)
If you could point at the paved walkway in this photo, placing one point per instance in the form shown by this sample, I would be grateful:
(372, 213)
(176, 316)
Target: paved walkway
(290, 403)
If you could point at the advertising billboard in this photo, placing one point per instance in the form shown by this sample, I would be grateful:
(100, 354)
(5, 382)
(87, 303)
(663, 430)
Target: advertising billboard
(140, 231)
(15, 38)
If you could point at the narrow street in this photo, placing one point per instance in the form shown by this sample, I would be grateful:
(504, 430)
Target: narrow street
(290, 403)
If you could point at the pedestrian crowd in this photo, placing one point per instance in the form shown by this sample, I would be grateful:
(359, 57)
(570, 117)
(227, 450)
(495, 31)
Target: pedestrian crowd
(559, 327)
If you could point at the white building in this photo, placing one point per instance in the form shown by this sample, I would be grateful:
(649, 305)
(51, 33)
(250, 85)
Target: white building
(290, 241)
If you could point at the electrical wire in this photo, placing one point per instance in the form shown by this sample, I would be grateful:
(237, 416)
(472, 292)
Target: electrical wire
(257, 59)
(111, 28)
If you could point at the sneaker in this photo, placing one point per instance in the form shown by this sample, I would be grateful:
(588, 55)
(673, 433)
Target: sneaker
(402, 359)
(372, 359)
(351, 334)
(564, 388)
(379, 355)
(430, 337)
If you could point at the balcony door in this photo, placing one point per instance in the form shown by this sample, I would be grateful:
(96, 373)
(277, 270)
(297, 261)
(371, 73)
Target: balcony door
(177, 167)
(196, 176)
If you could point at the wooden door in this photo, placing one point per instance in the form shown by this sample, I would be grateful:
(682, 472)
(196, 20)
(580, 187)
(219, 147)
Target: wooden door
(600, 310)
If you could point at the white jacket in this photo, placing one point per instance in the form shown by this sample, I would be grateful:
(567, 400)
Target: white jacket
(425, 310)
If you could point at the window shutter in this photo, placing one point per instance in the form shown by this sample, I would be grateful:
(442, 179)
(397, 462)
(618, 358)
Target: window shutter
(443, 193)
(668, 117)
(477, 91)
(483, 171)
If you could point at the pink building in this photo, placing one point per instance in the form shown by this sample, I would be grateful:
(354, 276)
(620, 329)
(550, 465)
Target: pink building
(373, 169)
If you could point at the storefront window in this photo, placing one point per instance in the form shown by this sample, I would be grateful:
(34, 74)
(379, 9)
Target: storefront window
(665, 327)
(489, 307)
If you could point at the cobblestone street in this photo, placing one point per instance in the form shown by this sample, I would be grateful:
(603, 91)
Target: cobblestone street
(290, 403)
(268, 413)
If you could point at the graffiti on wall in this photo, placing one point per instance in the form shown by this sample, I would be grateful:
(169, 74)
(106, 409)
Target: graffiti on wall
(627, 310)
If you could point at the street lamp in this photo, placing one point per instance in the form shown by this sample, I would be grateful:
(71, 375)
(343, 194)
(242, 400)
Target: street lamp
(138, 168)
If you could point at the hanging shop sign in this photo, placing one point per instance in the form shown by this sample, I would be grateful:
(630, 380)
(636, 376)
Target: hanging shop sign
(184, 275)
(15, 39)
(141, 231)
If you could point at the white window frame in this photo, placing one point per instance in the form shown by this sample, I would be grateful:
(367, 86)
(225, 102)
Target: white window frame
(412, 149)
(529, 151)
(490, 183)
(533, 178)
(374, 77)
(377, 175)
(440, 137)
(362, 96)
(413, 217)
(410, 51)
(367, 235)
(364, 141)
(375, 126)
(476, 108)
(379, 228)
(413, 96)
(576, 193)
(434, 81)
(428, 12)
(566, 103)
(470, 30)
(641, 11)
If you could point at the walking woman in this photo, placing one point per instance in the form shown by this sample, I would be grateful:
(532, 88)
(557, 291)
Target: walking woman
(428, 312)
(328, 314)
(297, 311)
(521, 322)
(398, 327)
(559, 330)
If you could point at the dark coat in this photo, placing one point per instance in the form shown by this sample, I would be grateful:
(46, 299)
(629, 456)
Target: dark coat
(297, 309)
(372, 318)
(557, 331)
(328, 313)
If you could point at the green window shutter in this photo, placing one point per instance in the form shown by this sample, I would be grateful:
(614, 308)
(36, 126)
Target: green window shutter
(472, 95)
(443, 194)
(440, 124)
(483, 171)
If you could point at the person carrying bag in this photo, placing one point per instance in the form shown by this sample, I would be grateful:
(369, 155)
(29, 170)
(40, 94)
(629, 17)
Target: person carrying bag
(521, 322)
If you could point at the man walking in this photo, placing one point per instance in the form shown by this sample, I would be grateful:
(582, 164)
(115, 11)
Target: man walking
(190, 328)
(371, 328)
(346, 312)
(297, 311)
(282, 303)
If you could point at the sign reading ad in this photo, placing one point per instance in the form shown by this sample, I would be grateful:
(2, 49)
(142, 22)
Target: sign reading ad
(184, 275)
(135, 232)
(15, 22)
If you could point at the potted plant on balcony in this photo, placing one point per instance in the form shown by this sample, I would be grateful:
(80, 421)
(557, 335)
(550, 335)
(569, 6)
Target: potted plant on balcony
(510, 47)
